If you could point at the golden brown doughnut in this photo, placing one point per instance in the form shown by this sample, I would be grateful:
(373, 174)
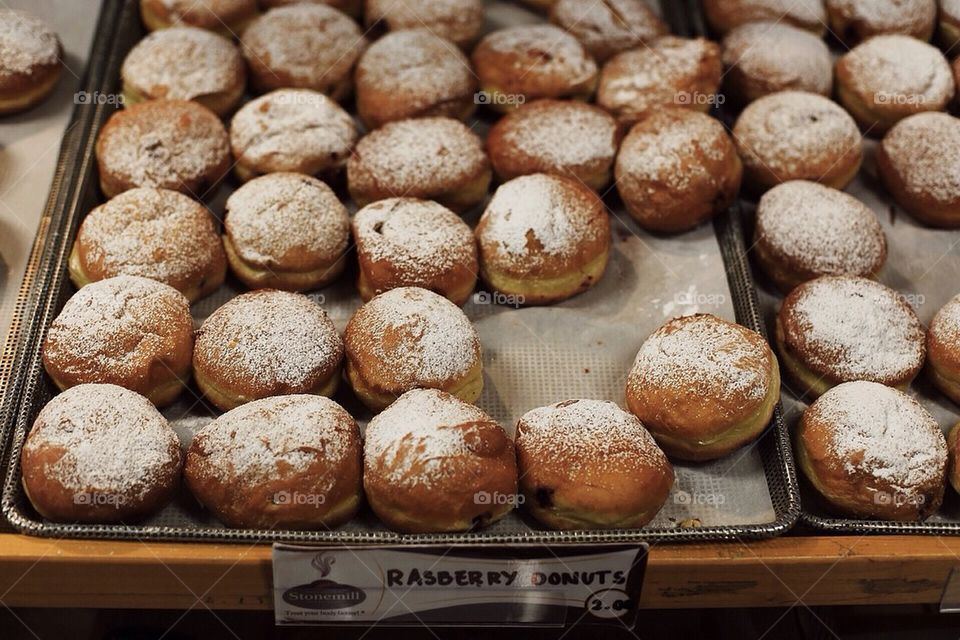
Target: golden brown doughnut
(129, 331)
(669, 72)
(352, 8)
(805, 230)
(725, 15)
(888, 78)
(411, 74)
(704, 387)
(437, 159)
(227, 17)
(286, 231)
(853, 21)
(459, 21)
(99, 453)
(185, 63)
(761, 58)
(154, 233)
(564, 137)
(836, 329)
(30, 63)
(608, 27)
(171, 144)
(677, 169)
(948, 28)
(526, 62)
(543, 239)
(303, 46)
(433, 463)
(405, 242)
(794, 135)
(296, 130)
(266, 343)
(943, 349)
(919, 162)
(588, 464)
(409, 338)
(289, 462)
(873, 452)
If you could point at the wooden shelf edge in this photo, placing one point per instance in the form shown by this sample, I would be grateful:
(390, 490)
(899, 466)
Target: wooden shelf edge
(37, 572)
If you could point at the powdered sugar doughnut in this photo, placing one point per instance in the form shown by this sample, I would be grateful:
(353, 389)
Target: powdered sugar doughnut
(305, 46)
(725, 15)
(919, 162)
(555, 136)
(296, 130)
(856, 20)
(154, 233)
(794, 135)
(227, 17)
(266, 343)
(609, 27)
(888, 78)
(414, 73)
(943, 349)
(409, 338)
(948, 32)
(437, 159)
(669, 72)
(543, 239)
(185, 63)
(171, 144)
(588, 464)
(100, 453)
(433, 463)
(405, 242)
(289, 462)
(350, 7)
(129, 331)
(840, 328)
(761, 58)
(805, 230)
(703, 386)
(523, 63)
(30, 60)
(262, 248)
(676, 169)
(873, 452)
(459, 21)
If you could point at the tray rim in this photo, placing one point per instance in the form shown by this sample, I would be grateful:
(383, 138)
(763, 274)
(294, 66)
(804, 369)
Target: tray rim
(107, 53)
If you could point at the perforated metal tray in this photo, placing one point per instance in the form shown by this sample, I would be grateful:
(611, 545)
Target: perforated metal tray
(48, 288)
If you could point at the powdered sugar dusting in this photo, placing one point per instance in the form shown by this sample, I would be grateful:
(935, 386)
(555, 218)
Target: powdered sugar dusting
(854, 328)
(608, 25)
(780, 54)
(902, 16)
(262, 214)
(458, 20)
(585, 434)
(113, 441)
(279, 437)
(419, 337)
(25, 43)
(827, 231)
(560, 135)
(549, 49)
(946, 323)
(285, 126)
(892, 67)
(924, 149)
(703, 356)
(419, 239)
(414, 438)
(883, 433)
(272, 338)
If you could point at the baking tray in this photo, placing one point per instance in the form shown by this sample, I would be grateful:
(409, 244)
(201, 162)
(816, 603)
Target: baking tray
(706, 269)
(922, 264)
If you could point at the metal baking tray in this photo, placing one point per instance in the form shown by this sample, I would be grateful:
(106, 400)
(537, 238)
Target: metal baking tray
(764, 471)
(923, 265)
